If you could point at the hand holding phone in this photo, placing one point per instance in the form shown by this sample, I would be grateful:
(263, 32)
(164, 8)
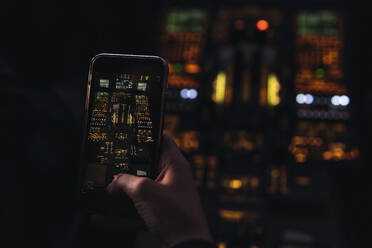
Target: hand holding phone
(123, 123)
(169, 205)
(121, 153)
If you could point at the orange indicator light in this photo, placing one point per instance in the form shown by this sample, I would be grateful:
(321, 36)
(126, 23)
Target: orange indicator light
(262, 25)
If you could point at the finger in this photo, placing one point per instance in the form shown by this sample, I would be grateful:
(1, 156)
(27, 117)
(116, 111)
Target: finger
(170, 151)
(173, 164)
(169, 144)
(135, 187)
(115, 222)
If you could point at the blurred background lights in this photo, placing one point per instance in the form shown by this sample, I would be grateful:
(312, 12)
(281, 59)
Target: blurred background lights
(300, 98)
(273, 88)
(340, 100)
(344, 100)
(189, 93)
(192, 68)
(239, 24)
(183, 93)
(304, 99)
(219, 86)
(320, 72)
(309, 99)
(262, 25)
(178, 67)
(335, 100)
(192, 94)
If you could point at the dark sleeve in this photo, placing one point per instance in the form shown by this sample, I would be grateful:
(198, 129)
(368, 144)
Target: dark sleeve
(195, 244)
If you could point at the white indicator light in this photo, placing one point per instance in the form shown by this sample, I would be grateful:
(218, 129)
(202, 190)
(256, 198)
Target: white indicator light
(335, 100)
(344, 100)
(184, 93)
(192, 94)
(309, 99)
(300, 98)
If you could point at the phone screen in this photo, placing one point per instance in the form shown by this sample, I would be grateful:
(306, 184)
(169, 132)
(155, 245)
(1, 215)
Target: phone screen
(124, 118)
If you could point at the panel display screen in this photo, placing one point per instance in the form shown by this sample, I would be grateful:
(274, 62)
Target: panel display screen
(123, 123)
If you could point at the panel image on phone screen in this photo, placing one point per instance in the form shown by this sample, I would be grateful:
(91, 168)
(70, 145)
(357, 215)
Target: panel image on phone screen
(122, 127)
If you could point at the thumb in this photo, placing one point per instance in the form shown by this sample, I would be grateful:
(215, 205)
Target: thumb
(133, 186)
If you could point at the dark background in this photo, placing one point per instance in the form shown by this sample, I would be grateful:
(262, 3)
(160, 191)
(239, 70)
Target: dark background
(45, 51)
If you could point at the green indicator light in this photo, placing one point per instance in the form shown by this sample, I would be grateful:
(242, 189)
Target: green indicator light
(178, 67)
(319, 72)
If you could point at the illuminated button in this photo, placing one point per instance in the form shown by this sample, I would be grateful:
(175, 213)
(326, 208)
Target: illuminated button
(300, 98)
(335, 100)
(262, 25)
(178, 67)
(184, 93)
(344, 100)
(340, 100)
(192, 94)
(309, 99)
(320, 72)
(104, 83)
(189, 93)
(141, 86)
(235, 184)
(192, 68)
(141, 173)
(304, 99)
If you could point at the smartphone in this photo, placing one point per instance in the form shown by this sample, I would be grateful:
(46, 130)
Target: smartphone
(123, 122)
